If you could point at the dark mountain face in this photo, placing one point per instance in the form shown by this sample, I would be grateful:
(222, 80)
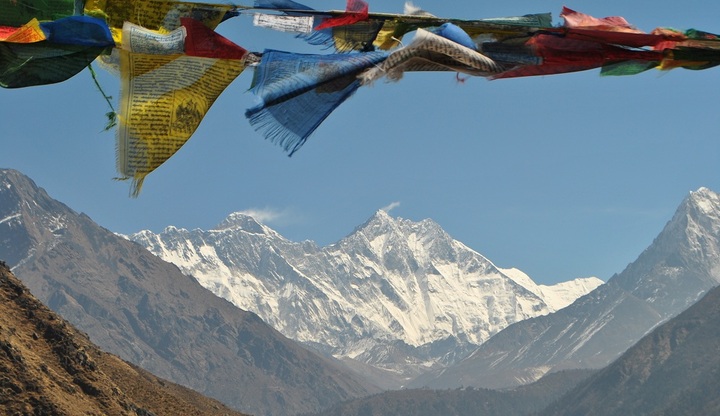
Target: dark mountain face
(50, 368)
(675, 370)
(681, 265)
(135, 305)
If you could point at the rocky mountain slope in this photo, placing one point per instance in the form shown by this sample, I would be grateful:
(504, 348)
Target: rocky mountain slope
(47, 367)
(523, 401)
(674, 370)
(680, 266)
(146, 311)
(395, 295)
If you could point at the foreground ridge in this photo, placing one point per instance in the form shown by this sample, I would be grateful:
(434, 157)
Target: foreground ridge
(50, 368)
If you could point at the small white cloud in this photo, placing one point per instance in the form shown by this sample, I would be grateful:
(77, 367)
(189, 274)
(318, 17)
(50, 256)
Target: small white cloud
(265, 215)
(390, 207)
(412, 9)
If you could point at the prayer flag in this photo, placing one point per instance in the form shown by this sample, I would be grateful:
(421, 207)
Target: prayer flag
(628, 39)
(355, 11)
(280, 5)
(691, 58)
(205, 42)
(512, 53)
(41, 63)
(163, 99)
(505, 27)
(611, 30)
(27, 33)
(78, 30)
(386, 31)
(142, 40)
(160, 15)
(359, 36)
(455, 34)
(560, 54)
(615, 23)
(18, 12)
(298, 92)
(430, 52)
(6, 31)
(631, 67)
(51, 52)
(283, 23)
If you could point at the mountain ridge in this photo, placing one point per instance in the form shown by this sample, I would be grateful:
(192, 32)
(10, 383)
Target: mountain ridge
(49, 367)
(146, 311)
(396, 295)
(671, 371)
(668, 276)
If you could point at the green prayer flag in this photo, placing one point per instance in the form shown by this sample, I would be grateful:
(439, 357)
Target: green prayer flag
(16, 13)
(41, 63)
(627, 68)
(701, 35)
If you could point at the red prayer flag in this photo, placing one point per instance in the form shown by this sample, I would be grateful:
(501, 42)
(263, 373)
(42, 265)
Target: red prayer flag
(629, 39)
(204, 42)
(6, 31)
(577, 19)
(27, 33)
(355, 11)
(562, 54)
(611, 30)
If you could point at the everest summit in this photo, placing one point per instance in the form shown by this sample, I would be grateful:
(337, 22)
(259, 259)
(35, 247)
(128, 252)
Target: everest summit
(393, 299)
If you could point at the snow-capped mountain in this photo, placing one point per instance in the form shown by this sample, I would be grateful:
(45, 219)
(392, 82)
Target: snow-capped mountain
(556, 296)
(145, 310)
(680, 266)
(395, 294)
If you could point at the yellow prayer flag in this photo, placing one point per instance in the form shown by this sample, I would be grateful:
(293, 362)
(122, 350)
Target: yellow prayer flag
(387, 38)
(161, 15)
(163, 99)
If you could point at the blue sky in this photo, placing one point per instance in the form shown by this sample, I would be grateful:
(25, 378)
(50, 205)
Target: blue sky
(560, 176)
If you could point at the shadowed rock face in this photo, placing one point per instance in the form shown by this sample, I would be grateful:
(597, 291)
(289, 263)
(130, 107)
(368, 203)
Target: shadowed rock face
(674, 370)
(48, 367)
(146, 311)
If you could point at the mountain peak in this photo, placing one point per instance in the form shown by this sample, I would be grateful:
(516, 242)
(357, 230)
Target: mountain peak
(684, 259)
(14, 183)
(380, 223)
(697, 221)
(381, 220)
(705, 202)
(240, 221)
(381, 215)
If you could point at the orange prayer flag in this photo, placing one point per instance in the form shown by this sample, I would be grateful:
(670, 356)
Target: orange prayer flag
(27, 33)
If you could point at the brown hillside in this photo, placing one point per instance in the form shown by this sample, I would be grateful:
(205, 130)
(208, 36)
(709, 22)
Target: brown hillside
(47, 367)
